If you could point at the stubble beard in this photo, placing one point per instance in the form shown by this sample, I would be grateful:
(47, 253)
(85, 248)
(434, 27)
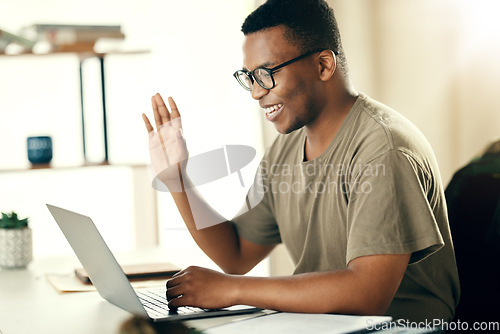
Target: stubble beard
(299, 121)
(310, 108)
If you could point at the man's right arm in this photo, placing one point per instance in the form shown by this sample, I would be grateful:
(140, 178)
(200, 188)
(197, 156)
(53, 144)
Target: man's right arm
(215, 235)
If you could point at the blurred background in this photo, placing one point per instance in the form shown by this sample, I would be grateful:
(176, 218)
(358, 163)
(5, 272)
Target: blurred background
(434, 61)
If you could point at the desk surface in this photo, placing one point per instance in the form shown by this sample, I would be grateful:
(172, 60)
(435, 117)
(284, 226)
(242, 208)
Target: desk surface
(29, 303)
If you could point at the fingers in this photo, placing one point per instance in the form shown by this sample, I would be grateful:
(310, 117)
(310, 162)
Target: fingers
(178, 302)
(149, 127)
(160, 111)
(179, 273)
(195, 286)
(172, 282)
(175, 112)
(161, 108)
(174, 294)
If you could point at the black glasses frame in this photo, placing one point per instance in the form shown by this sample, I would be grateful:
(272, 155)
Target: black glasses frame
(270, 71)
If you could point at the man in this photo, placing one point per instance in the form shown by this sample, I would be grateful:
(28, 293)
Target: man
(350, 187)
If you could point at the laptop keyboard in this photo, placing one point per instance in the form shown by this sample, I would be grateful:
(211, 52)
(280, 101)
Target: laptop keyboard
(156, 303)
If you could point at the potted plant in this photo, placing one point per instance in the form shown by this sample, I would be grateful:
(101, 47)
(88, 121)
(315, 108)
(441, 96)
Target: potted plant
(16, 250)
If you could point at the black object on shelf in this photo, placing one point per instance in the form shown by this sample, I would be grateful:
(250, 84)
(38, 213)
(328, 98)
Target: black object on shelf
(100, 57)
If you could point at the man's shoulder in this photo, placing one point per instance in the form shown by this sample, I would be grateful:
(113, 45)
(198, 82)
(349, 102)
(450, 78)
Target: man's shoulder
(383, 129)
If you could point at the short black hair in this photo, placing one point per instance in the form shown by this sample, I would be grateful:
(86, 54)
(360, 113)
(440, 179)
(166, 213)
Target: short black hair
(309, 24)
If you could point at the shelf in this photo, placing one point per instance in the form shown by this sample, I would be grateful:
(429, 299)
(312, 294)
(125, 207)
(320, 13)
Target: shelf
(61, 168)
(84, 55)
(81, 54)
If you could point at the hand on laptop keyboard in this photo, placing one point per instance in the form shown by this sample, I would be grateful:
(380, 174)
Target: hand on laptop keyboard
(200, 287)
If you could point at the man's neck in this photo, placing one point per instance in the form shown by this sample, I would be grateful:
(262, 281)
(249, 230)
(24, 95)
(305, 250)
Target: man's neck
(321, 132)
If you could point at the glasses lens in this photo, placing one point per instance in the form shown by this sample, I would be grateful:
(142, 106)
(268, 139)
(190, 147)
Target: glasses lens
(244, 80)
(264, 78)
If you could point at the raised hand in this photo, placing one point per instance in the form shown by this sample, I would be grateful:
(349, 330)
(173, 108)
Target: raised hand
(167, 146)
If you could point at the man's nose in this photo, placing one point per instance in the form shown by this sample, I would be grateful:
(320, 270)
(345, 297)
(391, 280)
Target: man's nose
(257, 91)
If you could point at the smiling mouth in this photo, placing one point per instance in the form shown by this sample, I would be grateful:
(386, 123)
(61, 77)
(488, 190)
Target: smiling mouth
(273, 111)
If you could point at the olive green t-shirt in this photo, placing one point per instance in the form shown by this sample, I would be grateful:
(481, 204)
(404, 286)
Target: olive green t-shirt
(375, 190)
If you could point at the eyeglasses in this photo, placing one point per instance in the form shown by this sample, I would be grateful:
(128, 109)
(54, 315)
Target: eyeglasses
(264, 76)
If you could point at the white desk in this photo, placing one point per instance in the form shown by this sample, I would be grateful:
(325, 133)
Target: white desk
(29, 303)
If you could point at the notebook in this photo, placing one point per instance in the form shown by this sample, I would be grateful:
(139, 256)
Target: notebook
(110, 280)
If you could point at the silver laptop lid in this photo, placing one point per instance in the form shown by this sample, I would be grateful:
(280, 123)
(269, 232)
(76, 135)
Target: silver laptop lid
(95, 256)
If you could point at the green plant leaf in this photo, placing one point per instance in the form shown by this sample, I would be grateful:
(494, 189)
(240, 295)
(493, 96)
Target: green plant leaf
(12, 221)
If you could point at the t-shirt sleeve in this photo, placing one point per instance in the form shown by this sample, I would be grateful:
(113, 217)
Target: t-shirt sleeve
(389, 210)
(255, 222)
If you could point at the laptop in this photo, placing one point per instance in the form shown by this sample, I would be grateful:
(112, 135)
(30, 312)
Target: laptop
(110, 280)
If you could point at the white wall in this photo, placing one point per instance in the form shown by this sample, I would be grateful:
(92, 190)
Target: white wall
(434, 61)
(194, 47)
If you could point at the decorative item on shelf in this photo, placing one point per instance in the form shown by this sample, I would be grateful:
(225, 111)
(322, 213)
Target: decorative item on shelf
(39, 149)
(16, 244)
(75, 37)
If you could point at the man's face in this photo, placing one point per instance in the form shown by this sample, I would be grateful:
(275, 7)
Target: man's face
(292, 103)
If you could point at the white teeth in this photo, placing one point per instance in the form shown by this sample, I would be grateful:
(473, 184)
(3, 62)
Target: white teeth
(272, 110)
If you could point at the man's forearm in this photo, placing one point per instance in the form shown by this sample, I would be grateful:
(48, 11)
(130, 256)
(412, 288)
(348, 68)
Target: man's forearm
(322, 292)
(367, 286)
(219, 240)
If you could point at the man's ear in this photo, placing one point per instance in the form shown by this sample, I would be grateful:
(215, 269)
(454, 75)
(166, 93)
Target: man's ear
(327, 64)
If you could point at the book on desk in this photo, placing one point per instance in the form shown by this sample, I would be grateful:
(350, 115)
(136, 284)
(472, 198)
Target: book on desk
(138, 272)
